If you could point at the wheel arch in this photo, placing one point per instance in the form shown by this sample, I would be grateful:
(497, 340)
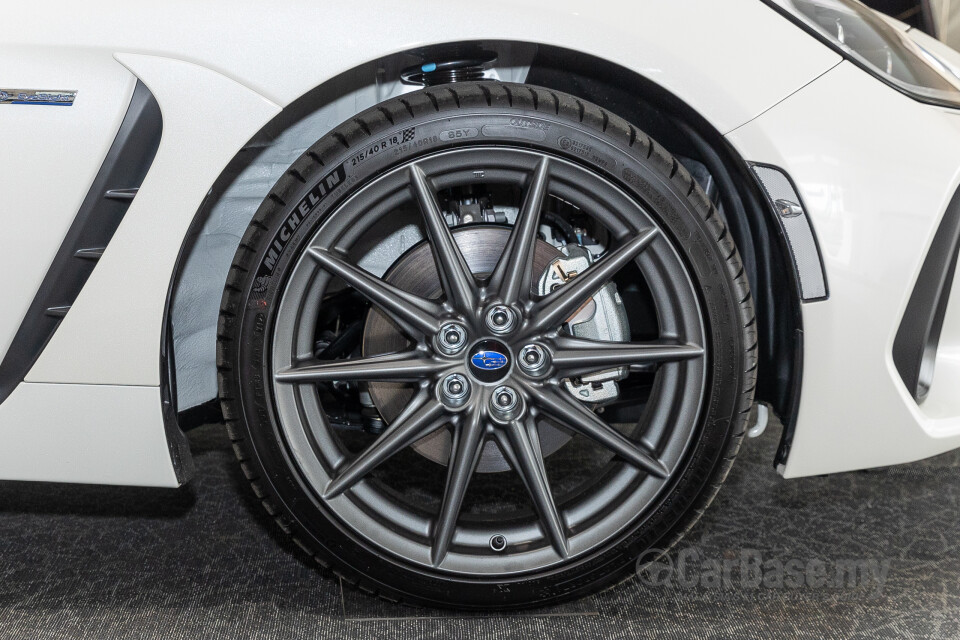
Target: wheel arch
(667, 118)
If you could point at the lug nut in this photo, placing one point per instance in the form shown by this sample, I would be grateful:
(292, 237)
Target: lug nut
(506, 402)
(533, 359)
(501, 319)
(451, 339)
(454, 390)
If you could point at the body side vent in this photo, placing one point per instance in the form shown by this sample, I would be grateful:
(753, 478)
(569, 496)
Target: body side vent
(915, 347)
(107, 201)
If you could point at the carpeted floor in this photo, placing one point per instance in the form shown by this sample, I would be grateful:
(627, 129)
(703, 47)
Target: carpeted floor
(867, 554)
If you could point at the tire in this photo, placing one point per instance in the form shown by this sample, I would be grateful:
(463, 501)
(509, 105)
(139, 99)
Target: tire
(374, 534)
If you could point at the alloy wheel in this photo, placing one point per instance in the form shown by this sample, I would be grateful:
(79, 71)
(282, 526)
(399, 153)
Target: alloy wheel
(484, 361)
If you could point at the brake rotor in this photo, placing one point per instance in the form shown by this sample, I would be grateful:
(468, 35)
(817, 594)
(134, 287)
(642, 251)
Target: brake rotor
(416, 272)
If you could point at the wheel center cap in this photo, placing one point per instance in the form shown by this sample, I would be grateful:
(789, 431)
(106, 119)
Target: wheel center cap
(489, 360)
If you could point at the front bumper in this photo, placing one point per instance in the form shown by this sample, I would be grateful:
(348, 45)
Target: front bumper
(876, 171)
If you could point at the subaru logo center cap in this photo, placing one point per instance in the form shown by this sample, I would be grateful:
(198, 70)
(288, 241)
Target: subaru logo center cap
(489, 360)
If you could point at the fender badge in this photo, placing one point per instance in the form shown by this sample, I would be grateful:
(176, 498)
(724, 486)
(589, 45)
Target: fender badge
(38, 97)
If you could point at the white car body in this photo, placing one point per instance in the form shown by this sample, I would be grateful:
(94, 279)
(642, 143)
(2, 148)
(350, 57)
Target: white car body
(875, 168)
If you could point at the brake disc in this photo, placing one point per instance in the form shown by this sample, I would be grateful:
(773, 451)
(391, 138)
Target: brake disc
(415, 271)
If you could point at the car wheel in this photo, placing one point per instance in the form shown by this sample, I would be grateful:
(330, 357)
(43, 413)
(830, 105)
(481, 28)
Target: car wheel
(483, 345)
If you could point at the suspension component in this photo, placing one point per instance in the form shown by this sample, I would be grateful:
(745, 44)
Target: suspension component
(468, 68)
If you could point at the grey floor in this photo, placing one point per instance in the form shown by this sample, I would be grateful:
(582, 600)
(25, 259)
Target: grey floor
(867, 554)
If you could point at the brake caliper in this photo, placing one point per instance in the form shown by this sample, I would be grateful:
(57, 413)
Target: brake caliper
(602, 318)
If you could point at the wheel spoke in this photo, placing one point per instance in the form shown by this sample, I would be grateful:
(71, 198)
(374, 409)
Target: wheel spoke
(580, 419)
(415, 315)
(455, 275)
(577, 356)
(465, 453)
(559, 305)
(513, 274)
(421, 417)
(393, 367)
(521, 445)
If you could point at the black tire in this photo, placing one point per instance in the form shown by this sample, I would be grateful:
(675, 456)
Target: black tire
(454, 117)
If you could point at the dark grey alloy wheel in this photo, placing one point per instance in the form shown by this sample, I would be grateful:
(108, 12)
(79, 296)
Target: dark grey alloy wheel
(466, 363)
